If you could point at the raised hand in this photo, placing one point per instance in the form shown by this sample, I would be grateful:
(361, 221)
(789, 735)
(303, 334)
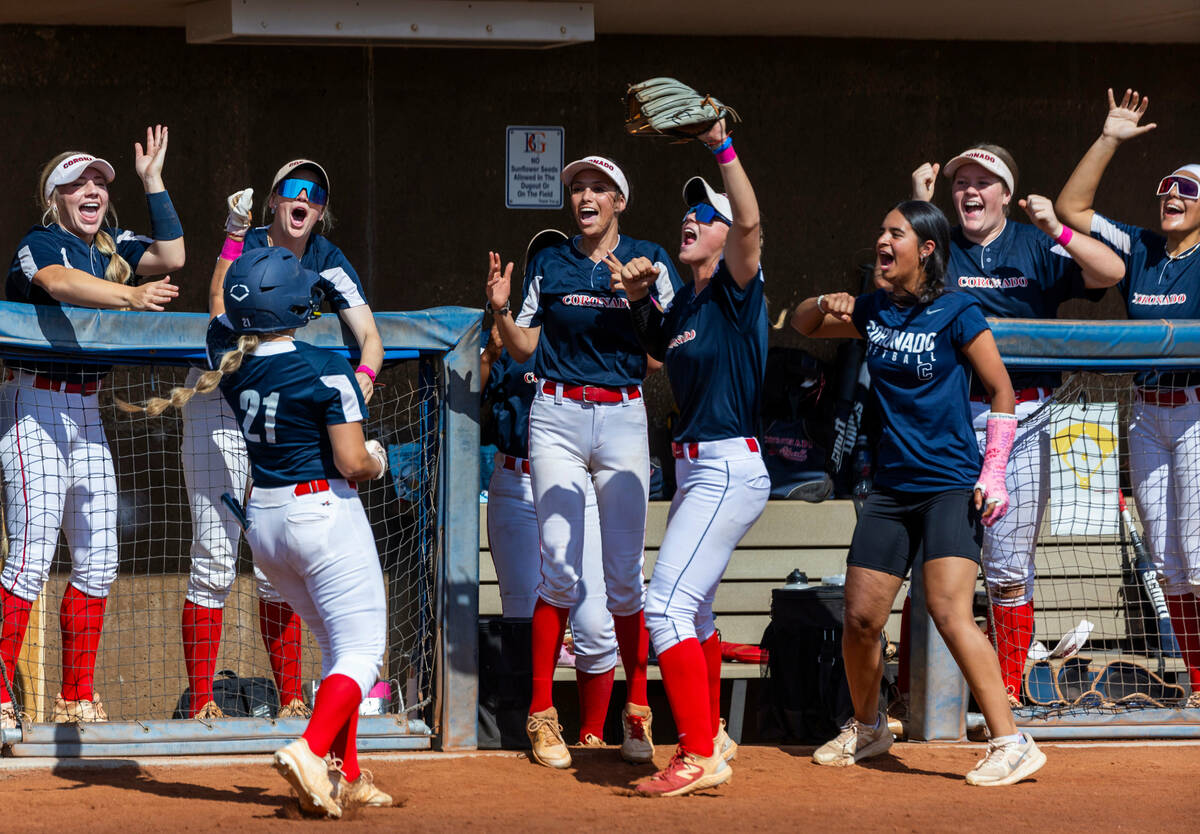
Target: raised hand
(152, 295)
(715, 135)
(840, 305)
(1122, 120)
(238, 221)
(924, 180)
(499, 284)
(634, 278)
(148, 162)
(1041, 211)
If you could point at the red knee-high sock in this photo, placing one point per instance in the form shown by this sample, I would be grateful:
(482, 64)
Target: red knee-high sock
(280, 627)
(1012, 627)
(336, 704)
(81, 618)
(345, 746)
(201, 642)
(685, 677)
(12, 635)
(595, 691)
(903, 649)
(712, 659)
(634, 642)
(549, 623)
(1185, 621)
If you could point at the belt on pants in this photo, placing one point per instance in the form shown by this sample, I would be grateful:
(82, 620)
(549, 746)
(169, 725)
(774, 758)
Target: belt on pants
(1023, 396)
(710, 449)
(1169, 397)
(320, 485)
(45, 383)
(515, 464)
(594, 393)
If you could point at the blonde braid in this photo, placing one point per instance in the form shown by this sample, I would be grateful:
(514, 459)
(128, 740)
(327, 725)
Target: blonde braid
(231, 361)
(118, 270)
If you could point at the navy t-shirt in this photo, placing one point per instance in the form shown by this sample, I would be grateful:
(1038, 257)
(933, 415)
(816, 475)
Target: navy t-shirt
(53, 245)
(1023, 273)
(920, 380)
(507, 397)
(587, 337)
(339, 282)
(1155, 285)
(717, 356)
(283, 397)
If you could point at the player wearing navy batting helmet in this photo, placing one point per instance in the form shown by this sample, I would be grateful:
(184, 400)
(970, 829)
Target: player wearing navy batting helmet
(1162, 282)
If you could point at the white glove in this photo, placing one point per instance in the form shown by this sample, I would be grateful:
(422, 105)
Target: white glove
(375, 449)
(238, 222)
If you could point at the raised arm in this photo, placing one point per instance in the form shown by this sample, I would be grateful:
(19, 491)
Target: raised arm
(924, 180)
(826, 317)
(237, 224)
(520, 341)
(1101, 266)
(167, 253)
(743, 245)
(361, 322)
(1075, 203)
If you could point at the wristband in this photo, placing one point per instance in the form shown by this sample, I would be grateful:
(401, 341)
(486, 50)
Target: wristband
(507, 308)
(821, 309)
(232, 249)
(164, 221)
(365, 369)
(1064, 237)
(724, 152)
(728, 143)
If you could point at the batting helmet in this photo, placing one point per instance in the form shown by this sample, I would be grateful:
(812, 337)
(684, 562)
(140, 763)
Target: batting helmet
(267, 291)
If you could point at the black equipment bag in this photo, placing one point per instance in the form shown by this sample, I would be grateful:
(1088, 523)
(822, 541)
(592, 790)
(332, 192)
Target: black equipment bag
(238, 697)
(505, 682)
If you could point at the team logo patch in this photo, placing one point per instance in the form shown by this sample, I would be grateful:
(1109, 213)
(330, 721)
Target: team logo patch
(239, 292)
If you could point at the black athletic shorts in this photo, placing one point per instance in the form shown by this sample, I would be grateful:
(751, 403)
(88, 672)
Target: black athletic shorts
(894, 526)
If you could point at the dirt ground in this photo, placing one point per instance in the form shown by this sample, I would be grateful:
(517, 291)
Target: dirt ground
(918, 787)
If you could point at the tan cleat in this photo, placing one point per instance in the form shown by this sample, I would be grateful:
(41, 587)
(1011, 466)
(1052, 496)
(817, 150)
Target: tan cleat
(296, 708)
(1193, 701)
(308, 774)
(637, 745)
(8, 716)
(545, 737)
(76, 712)
(209, 712)
(591, 740)
(359, 793)
(724, 745)
(856, 741)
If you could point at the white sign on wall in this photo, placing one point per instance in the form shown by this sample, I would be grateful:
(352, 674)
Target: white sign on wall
(533, 161)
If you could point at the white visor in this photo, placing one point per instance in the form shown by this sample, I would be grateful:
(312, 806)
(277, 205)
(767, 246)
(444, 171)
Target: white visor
(67, 171)
(985, 159)
(601, 164)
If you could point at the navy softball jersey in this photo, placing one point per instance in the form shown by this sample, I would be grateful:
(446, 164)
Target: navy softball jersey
(586, 336)
(507, 398)
(920, 380)
(283, 397)
(1023, 273)
(1155, 285)
(716, 357)
(53, 245)
(339, 282)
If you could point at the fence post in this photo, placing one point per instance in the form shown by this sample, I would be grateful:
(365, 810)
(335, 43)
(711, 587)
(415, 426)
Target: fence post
(938, 693)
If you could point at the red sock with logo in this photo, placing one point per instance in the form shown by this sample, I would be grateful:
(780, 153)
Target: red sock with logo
(595, 691)
(81, 618)
(12, 634)
(336, 704)
(634, 642)
(280, 627)
(201, 642)
(712, 659)
(1012, 627)
(345, 746)
(903, 649)
(549, 623)
(685, 678)
(1185, 622)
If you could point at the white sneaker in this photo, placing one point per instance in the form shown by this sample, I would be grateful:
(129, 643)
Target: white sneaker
(637, 745)
(855, 742)
(1007, 764)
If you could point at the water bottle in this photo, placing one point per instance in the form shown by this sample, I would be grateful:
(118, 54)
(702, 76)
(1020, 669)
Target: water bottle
(796, 580)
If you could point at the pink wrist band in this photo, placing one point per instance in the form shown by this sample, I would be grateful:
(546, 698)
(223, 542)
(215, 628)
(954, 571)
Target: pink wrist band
(364, 369)
(1065, 235)
(232, 249)
(1001, 431)
(726, 154)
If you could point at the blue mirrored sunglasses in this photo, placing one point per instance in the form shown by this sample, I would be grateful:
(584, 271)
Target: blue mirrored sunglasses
(705, 213)
(290, 189)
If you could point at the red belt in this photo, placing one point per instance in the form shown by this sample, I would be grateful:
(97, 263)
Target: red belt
(309, 487)
(509, 462)
(692, 450)
(1169, 397)
(45, 383)
(594, 393)
(1023, 396)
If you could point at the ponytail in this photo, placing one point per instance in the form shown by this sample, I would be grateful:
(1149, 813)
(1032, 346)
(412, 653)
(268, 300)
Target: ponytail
(231, 361)
(118, 270)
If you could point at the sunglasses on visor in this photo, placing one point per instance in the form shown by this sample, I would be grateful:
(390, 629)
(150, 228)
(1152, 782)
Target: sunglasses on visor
(290, 189)
(706, 214)
(1185, 187)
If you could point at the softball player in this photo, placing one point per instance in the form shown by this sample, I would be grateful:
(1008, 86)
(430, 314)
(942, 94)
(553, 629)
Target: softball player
(713, 341)
(513, 530)
(214, 455)
(1164, 430)
(922, 346)
(58, 471)
(1015, 271)
(587, 422)
(301, 414)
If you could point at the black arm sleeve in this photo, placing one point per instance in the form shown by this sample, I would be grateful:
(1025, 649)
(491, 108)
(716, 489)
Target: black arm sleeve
(648, 324)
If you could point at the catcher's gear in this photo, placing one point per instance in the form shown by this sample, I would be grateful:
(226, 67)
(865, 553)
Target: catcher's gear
(239, 203)
(668, 107)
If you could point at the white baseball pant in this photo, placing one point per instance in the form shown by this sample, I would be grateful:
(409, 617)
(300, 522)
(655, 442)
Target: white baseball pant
(213, 454)
(319, 551)
(723, 488)
(570, 443)
(1164, 466)
(512, 530)
(58, 474)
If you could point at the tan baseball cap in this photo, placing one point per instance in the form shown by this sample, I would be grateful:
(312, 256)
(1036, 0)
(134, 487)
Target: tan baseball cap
(283, 172)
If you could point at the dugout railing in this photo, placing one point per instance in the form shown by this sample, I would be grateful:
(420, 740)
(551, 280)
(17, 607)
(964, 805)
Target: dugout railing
(1126, 677)
(424, 513)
